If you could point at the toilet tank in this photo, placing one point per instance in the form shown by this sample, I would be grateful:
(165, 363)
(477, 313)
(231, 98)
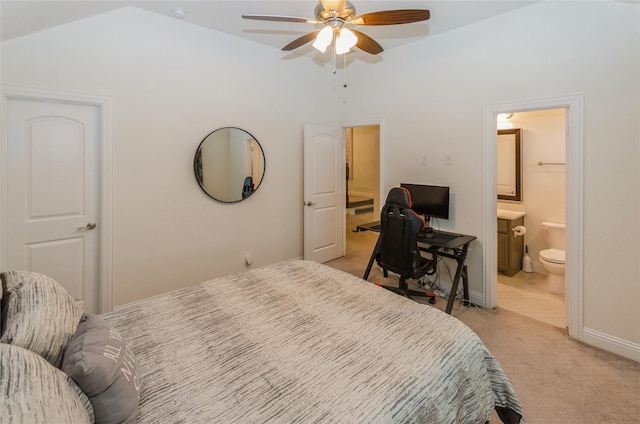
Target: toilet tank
(554, 235)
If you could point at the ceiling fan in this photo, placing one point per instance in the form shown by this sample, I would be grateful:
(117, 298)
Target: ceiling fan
(336, 16)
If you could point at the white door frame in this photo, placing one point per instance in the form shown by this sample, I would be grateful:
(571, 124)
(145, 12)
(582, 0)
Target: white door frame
(574, 200)
(105, 190)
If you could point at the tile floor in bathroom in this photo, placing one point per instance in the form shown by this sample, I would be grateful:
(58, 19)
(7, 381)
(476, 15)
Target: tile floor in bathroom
(526, 293)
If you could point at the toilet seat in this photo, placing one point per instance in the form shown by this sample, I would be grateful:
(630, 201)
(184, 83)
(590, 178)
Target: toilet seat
(554, 256)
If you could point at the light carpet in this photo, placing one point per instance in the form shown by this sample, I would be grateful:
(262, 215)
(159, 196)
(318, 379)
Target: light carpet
(557, 379)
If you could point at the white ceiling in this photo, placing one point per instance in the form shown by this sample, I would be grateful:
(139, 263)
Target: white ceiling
(23, 17)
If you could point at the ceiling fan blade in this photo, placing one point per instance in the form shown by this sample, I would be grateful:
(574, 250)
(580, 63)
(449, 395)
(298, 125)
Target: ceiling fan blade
(298, 42)
(337, 5)
(279, 18)
(392, 17)
(367, 43)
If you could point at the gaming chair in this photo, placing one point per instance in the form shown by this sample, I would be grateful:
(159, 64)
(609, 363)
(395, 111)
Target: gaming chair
(398, 250)
(247, 187)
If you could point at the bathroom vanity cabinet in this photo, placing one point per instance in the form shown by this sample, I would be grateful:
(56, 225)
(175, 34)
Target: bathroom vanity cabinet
(510, 247)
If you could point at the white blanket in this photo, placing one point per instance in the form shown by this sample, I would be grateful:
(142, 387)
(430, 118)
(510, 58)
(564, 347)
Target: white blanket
(300, 342)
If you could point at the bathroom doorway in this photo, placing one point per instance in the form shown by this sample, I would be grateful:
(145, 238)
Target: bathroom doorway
(362, 185)
(574, 201)
(527, 290)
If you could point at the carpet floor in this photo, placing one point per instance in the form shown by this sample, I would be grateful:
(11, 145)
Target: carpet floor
(558, 380)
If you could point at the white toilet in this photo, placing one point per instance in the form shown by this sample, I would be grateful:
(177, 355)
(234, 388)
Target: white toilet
(552, 259)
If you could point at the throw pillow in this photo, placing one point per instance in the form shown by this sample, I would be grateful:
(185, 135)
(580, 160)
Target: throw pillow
(103, 365)
(38, 314)
(34, 391)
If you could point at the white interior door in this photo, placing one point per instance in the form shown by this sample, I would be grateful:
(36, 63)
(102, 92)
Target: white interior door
(323, 193)
(52, 193)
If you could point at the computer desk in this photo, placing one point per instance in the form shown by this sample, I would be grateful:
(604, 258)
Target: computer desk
(456, 247)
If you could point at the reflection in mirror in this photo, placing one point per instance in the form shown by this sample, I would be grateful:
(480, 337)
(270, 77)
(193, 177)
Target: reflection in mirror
(229, 164)
(509, 165)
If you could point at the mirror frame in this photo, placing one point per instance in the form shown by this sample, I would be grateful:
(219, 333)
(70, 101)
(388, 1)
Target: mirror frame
(517, 133)
(197, 165)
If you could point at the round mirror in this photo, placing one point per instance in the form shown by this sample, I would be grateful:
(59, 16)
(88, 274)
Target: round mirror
(229, 164)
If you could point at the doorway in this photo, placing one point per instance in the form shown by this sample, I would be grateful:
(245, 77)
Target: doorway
(362, 187)
(528, 289)
(58, 122)
(574, 181)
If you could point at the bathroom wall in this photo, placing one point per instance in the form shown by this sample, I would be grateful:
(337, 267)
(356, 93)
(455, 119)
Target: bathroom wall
(365, 170)
(543, 186)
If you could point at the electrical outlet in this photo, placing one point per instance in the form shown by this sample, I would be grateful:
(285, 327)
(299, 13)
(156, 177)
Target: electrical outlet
(248, 259)
(423, 160)
(448, 159)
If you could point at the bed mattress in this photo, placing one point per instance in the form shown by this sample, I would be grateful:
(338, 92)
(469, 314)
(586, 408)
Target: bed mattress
(300, 342)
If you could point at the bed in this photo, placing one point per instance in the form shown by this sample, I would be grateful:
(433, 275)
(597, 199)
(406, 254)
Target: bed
(300, 342)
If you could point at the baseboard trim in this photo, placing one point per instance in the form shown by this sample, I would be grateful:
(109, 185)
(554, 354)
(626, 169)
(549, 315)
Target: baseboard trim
(590, 336)
(612, 344)
(476, 298)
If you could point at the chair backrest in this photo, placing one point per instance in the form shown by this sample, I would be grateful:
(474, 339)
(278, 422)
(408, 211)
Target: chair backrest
(400, 225)
(247, 187)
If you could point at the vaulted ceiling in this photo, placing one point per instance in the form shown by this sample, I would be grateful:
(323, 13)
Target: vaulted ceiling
(20, 17)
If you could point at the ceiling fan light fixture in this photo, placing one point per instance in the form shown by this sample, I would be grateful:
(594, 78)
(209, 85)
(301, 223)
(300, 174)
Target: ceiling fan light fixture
(335, 15)
(324, 38)
(345, 40)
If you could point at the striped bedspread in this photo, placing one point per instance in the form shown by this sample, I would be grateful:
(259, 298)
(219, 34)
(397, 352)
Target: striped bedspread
(300, 342)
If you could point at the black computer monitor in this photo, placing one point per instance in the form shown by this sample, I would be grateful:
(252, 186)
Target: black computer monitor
(428, 200)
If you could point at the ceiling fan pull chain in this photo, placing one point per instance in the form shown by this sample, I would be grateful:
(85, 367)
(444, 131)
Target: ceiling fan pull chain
(344, 70)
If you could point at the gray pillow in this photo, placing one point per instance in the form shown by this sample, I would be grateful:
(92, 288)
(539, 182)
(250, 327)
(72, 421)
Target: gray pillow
(38, 314)
(34, 391)
(103, 365)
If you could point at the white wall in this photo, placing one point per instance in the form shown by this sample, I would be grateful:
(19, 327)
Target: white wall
(172, 84)
(432, 94)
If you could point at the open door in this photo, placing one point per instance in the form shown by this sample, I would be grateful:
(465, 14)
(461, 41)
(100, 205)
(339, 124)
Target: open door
(323, 193)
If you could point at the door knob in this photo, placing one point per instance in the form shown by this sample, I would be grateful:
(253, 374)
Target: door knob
(89, 226)
(309, 204)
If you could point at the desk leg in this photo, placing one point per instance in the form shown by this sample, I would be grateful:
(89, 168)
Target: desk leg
(465, 287)
(454, 288)
(372, 258)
